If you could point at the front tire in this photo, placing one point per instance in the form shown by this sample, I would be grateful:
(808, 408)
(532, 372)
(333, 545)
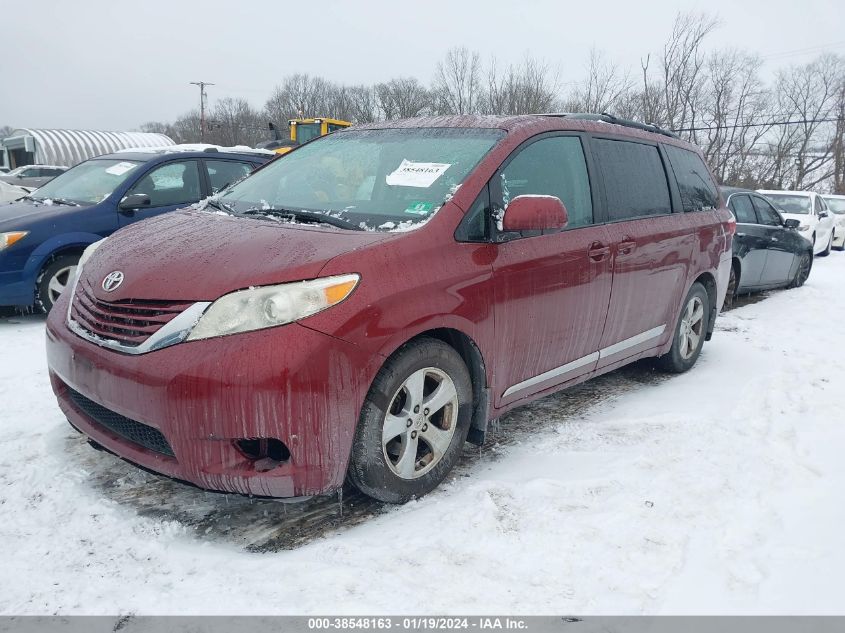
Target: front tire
(413, 424)
(54, 280)
(690, 332)
(826, 251)
(805, 265)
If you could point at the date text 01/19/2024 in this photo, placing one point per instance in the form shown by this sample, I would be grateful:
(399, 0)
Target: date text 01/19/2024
(428, 623)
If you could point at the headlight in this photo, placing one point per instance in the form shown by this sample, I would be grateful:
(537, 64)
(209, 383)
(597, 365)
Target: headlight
(804, 227)
(7, 239)
(268, 306)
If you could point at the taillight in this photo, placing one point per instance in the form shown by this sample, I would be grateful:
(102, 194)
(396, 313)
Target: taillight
(730, 226)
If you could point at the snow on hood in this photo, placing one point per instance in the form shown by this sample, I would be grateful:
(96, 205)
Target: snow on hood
(192, 255)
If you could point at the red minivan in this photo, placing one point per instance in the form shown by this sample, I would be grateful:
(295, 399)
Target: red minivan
(366, 304)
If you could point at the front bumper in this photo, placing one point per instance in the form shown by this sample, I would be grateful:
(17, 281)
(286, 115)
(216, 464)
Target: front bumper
(16, 290)
(289, 383)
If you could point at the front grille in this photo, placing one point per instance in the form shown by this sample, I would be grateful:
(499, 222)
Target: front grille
(130, 322)
(135, 432)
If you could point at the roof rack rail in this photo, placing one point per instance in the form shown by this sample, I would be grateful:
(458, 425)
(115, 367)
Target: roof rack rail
(609, 118)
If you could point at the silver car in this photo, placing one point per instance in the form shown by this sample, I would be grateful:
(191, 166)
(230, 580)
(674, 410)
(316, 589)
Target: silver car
(32, 176)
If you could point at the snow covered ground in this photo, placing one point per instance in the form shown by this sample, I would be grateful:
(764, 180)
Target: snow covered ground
(719, 491)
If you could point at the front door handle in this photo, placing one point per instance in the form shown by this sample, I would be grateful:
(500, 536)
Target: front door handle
(774, 239)
(598, 251)
(740, 234)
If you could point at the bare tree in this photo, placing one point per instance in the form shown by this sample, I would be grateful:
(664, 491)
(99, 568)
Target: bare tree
(457, 82)
(603, 90)
(6, 131)
(526, 88)
(800, 154)
(402, 98)
(236, 122)
(734, 111)
(299, 95)
(363, 104)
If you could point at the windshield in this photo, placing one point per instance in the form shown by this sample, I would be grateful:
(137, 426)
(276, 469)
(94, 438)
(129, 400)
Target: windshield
(89, 182)
(837, 205)
(790, 203)
(306, 132)
(377, 179)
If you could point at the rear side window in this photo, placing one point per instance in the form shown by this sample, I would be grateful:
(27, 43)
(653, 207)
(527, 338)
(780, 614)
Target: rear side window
(634, 179)
(553, 166)
(743, 209)
(697, 189)
(222, 173)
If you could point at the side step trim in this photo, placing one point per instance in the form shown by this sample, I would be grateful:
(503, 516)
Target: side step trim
(621, 346)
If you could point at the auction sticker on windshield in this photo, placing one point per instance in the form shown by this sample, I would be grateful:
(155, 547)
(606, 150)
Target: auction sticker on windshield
(120, 169)
(412, 174)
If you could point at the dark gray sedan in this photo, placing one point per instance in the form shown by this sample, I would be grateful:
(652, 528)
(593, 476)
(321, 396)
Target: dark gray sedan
(768, 251)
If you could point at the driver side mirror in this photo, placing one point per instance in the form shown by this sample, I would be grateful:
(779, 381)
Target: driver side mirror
(822, 215)
(791, 223)
(533, 213)
(134, 201)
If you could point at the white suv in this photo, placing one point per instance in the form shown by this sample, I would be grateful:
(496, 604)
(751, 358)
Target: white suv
(810, 209)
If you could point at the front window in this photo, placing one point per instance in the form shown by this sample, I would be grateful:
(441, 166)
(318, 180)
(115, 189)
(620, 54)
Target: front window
(373, 179)
(90, 182)
(306, 132)
(790, 203)
(837, 205)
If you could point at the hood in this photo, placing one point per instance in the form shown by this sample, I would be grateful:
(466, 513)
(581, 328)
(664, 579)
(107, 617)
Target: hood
(199, 256)
(15, 215)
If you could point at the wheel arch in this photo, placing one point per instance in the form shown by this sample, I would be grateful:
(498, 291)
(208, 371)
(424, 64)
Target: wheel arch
(707, 280)
(471, 354)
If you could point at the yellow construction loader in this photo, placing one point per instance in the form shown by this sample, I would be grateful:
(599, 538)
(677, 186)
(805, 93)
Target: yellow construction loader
(301, 131)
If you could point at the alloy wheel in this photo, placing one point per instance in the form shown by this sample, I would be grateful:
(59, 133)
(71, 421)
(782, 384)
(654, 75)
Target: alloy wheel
(59, 282)
(420, 423)
(692, 327)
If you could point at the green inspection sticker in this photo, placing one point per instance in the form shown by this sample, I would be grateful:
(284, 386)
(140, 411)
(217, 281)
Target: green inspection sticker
(419, 208)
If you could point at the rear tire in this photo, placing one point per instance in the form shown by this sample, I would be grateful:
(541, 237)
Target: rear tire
(54, 280)
(690, 332)
(402, 448)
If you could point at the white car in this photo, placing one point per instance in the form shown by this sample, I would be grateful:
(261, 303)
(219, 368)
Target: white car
(809, 208)
(837, 205)
(8, 192)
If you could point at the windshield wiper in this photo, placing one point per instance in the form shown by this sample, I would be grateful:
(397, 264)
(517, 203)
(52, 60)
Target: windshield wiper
(304, 216)
(64, 201)
(222, 206)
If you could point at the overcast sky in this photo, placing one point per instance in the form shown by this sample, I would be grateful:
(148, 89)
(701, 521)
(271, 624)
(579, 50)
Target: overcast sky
(104, 64)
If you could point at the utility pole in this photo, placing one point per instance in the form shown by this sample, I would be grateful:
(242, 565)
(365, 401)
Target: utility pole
(202, 85)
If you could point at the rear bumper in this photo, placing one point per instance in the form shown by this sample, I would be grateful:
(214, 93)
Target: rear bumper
(289, 383)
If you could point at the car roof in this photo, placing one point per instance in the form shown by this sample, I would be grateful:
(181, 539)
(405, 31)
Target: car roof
(729, 191)
(536, 123)
(143, 157)
(809, 194)
(833, 195)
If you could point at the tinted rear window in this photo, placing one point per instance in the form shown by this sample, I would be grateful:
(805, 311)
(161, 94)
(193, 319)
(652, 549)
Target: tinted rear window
(696, 187)
(634, 179)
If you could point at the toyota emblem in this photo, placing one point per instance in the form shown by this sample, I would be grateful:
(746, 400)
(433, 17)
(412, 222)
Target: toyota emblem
(112, 280)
